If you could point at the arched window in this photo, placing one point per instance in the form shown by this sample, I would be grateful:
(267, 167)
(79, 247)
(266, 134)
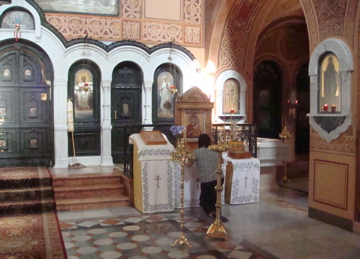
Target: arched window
(230, 87)
(84, 91)
(15, 17)
(167, 85)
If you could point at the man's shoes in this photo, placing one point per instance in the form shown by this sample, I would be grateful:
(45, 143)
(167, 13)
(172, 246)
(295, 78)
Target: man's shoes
(212, 215)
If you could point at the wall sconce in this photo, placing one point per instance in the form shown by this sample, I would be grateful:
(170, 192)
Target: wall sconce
(210, 68)
(292, 103)
(197, 65)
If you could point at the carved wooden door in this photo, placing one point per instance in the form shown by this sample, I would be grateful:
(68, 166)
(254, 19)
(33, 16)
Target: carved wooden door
(126, 91)
(26, 131)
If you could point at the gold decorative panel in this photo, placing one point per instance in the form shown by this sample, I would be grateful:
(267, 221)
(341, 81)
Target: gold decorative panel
(160, 32)
(163, 10)
(137, 20)
(331, 183)
(131, 8)
(192, 34)
(345, 144)
(192, 11)
(131, 30)
(99, 28)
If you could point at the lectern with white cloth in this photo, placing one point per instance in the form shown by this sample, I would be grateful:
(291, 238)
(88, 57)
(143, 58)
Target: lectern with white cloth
(242, 183)
(153, 176)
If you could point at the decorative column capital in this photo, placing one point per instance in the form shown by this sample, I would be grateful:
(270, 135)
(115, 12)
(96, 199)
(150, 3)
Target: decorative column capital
(106, 84)
(148, 85)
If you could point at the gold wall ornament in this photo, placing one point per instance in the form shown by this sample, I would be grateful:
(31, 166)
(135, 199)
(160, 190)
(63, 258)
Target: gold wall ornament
(284, 134)
(217, 229)
(181, 156)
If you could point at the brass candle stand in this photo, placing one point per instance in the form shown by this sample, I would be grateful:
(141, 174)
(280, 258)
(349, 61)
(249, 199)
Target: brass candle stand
(181, 156)
(217, 229)
(284, 135)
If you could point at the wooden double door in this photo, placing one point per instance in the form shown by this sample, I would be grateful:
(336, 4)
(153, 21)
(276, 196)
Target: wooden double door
(26, 123)
(126, 114)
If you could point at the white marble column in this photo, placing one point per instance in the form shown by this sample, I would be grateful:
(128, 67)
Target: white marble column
(60, 124)
(218, 104)
(148, 102)
(106, 158)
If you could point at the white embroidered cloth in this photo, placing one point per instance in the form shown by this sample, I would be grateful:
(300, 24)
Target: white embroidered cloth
(245, 181)
(153, 176)
(151, 152)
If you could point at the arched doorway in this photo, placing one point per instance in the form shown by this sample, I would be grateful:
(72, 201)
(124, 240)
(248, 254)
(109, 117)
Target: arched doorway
(166, 76)
(302, 133)
(126, 89)
(26, 107)
(84, 90)
(167, 85)
(267, 99)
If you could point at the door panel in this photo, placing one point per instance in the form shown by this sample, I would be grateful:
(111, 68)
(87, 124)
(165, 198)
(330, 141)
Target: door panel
(33, 141)
(7, 105)
(7, 75)
(34, 111)
(9, 136)
(25, 108)
(87, 142)
(126, 105)
(29, 69)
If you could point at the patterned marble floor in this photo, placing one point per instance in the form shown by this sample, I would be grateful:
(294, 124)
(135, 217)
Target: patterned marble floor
(152, 236)
(276, 227)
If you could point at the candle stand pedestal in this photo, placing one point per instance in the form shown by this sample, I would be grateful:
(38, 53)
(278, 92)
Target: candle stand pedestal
(217, 229)
(181, 156)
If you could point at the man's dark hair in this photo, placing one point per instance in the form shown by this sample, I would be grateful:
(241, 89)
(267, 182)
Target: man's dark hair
(204, 140)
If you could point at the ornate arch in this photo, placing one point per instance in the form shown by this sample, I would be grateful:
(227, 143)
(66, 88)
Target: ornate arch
(329, 126)
(219, 88)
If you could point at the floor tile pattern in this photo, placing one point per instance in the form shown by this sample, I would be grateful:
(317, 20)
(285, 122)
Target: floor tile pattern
(151, 236)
